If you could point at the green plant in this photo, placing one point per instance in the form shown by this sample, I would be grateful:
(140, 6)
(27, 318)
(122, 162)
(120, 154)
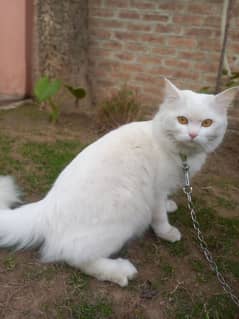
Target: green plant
(121, 108)
(78, 93)
(45, 91)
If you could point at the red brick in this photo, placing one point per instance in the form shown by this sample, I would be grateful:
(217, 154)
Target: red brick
(186, 74)
(212, 45)
(176, 63)
(152, 39)
(212, 21)
(167, 28)
(100, 72)
(234, 35)
(204, 8)
(132, 67)
(117, 3)
(153, 89)
(104, 23)
(108, 65)
(234, 22)
(193, 55)
(172, 5)
(155, 17)
(102, 12)
(98, 52)
(234, 46)
(100, 33)
(190, 20)
(149, 59)
(120, 75)
(164, 51)
(125, 56)
(199, 32)
(151, 100)
(112, 44)
(136, 46)
(180, 42)
(125, 36)
(211, 79)
(140, 5)
(145, 78)
(207, 67)
(129, 15)
(137, 27)
(105, 82)
(161, 70)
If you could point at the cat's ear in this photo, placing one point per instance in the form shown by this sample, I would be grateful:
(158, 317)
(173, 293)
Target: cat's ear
(171, 92)
(224, 99)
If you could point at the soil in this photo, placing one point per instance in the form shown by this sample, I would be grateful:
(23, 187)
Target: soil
(30, 289)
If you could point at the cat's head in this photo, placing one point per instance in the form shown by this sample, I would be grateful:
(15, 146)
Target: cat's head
(194, 121)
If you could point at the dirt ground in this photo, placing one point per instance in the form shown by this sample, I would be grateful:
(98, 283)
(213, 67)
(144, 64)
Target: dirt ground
(174, 280)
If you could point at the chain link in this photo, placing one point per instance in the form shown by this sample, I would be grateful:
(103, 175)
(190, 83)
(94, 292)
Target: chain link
(187, 189)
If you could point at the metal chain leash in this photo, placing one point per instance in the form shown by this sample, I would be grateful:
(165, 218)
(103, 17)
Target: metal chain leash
(187, 189)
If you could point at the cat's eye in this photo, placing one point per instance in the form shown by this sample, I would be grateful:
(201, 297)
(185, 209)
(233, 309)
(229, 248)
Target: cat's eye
(182, 120)
(206, 123)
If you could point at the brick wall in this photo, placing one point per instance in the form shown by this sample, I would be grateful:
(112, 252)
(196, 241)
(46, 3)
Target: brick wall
(139, 41)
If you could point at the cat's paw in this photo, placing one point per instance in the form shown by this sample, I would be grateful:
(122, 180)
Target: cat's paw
(172, 234)
(125, 272)
(171, 206)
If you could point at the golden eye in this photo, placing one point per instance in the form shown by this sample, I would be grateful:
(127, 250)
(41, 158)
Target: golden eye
(182, 120)
(207, 123)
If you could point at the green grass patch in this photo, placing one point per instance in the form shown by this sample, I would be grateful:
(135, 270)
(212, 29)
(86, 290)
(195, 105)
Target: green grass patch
(215, 307)
(46, 160)
(99, 310)
(77, 281)
(41, 272)
(178, 248)
(226, 203)
(79, 309)
(229, 265)
(8, 164)
(10, 262)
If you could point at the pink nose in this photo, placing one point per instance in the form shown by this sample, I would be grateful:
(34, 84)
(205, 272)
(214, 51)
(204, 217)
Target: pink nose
(193, 135)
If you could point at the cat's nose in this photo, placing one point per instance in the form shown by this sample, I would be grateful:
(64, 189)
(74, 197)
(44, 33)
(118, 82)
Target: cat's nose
(193, 135)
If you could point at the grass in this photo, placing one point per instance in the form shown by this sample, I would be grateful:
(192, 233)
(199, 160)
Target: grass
(214, 307)
(226, 203)
(10, 262)
(91, 311)
(81, 309)
(77, 281)
(8, 163)
(46, 161)
(37, 163)
(40, 272)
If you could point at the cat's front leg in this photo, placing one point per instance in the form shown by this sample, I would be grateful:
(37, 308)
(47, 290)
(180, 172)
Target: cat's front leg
(171, 206)
(160, 223)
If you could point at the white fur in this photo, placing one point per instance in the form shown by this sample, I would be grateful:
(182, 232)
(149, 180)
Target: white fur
(116, 188)
(9, 192)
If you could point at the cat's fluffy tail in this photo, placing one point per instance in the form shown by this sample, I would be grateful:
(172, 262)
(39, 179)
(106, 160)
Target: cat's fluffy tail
(19, 227)
(9, 192)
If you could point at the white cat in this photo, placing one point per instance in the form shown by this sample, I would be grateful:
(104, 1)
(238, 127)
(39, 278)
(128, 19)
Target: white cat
(119, 186)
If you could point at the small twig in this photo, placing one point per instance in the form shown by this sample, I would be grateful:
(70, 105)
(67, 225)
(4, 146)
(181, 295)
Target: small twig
(179, 283)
